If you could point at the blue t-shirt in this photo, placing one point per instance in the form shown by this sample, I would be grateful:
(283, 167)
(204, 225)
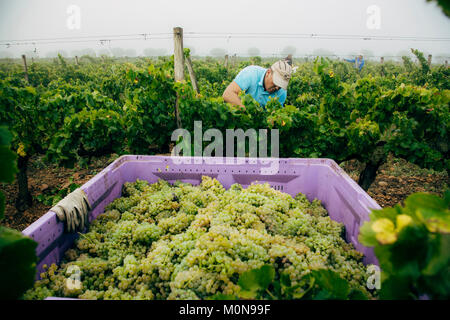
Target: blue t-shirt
(358, 63)
(251, 80)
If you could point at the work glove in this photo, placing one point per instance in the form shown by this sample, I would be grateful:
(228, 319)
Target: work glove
(73, 210)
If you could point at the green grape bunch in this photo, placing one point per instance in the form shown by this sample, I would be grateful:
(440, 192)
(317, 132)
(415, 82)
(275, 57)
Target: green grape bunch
(178, 241)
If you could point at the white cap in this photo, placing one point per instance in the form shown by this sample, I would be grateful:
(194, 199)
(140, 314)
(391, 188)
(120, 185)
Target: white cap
(282, 72)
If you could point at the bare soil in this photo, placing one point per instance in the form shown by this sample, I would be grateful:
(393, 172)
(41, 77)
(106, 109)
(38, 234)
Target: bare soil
(43, 179)
(397, 179)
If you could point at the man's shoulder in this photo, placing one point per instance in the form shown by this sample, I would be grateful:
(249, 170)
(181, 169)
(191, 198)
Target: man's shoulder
(253, 67)
(249, 77)
(253, 70)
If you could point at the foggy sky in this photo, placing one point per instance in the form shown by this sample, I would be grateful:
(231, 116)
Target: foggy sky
(41, 19)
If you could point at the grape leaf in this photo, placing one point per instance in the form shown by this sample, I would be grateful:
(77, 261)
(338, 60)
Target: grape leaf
(257, 279)
(330, 284)
(357, 295)
(395, 288)
(5, 136)
(17, 263)
(8, 167)
(416, 264)
(367, 235)
(441, 258)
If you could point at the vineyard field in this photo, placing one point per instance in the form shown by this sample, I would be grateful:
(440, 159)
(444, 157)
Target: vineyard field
(387, 126)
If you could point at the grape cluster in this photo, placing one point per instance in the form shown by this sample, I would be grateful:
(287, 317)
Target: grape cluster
(163, 241)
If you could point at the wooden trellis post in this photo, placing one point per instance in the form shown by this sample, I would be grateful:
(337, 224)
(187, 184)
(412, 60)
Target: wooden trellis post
(178, 53)
(25, 68)
(192, 74)
(178, 65)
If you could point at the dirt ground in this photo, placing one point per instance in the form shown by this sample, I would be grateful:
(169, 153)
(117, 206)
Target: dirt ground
(42, 179)
(395, 180)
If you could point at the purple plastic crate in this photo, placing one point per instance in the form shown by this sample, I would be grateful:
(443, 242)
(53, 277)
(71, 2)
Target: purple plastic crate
(323, 179)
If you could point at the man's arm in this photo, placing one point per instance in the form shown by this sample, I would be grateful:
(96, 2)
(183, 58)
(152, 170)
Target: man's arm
(231, 95)
(350, 60)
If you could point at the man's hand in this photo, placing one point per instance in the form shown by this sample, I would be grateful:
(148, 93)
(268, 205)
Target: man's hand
(231, 95)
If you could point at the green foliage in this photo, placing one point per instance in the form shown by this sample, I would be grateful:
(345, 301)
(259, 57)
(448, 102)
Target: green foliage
(57, 194)
(256, 60)
(20, 112)
(408, 64)
(150, 107)
(101, 106)
(332, 110)
(17, 263)
(425, 68)
(265, 283)
(87, 133)
(256, 282)
(445, 6)
(412, 246)
(8, 167)
(17, 253)
(7, 157)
